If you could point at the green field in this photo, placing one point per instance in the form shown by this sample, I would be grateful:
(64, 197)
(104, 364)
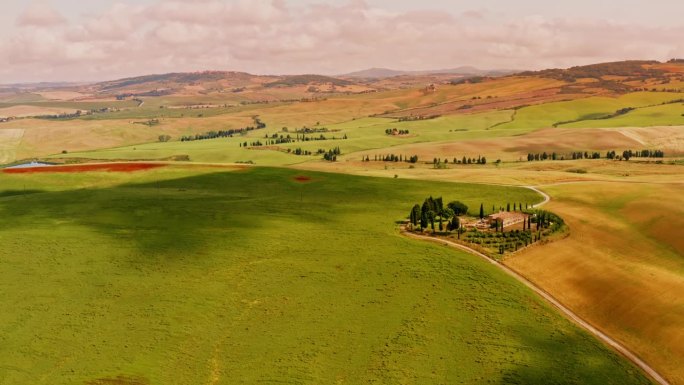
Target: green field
(586, 110)
(363, 134)
(186, 276)
(664, 115)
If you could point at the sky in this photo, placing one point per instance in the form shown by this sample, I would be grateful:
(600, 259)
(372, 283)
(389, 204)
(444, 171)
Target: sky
(76, 40)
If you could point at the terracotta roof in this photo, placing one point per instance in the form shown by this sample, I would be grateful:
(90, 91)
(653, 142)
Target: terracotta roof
(508, 215)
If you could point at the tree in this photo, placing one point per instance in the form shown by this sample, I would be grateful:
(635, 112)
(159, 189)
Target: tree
(508, 207)
(481, 211)
(164, 138)
(455, 224)
(458, 208)
(424, 217)
(415, 215)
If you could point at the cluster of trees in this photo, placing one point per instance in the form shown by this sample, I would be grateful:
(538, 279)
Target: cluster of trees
(394, 131)
(433, 210)
(164, 138)
(392, 158)
(331, 155)
(258, 124)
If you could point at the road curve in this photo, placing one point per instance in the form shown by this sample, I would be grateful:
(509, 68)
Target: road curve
(549, 298)
(546, 196)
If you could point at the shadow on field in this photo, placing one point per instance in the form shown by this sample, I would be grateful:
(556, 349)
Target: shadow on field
(13, 193)
(581, 366)
(173, 217)
(187, 216)
(191, 215)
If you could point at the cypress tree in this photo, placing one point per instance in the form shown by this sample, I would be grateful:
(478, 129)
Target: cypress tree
(424, 215)
(481, 211)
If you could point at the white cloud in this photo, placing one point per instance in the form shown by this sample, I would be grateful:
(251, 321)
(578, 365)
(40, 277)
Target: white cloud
(274, 37)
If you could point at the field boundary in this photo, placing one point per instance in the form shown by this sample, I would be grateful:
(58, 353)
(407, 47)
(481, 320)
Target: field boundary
(569, 314)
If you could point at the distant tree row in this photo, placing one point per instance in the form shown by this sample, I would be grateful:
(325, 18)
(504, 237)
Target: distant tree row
(300, 151)
(392, 158)
(276, 139)
(258, 124)
(626, 155)
(413, 118)
(465, 160)
(554, 156)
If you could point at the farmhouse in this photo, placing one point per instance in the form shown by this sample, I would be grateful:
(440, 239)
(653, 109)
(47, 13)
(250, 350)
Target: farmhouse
(507, 218)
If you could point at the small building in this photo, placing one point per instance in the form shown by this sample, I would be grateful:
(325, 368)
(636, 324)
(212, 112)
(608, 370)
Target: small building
(32, 164)
(508, 218)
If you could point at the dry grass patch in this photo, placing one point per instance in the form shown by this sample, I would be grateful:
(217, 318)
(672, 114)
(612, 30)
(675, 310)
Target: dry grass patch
(23, 111)
(621, 268)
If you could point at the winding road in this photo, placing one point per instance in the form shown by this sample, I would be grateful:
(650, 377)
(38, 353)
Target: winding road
(572, 316)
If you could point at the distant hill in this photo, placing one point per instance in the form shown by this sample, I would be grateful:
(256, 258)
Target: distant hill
(383, 73)
(301, 80)
(237, 87)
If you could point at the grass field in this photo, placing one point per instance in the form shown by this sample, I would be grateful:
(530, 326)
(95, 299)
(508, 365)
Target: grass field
(363, 134)
(586, 110)
(665, 115)
(204, 275)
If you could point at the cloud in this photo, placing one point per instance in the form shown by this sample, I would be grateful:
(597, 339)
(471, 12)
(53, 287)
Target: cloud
(266, 36)
(40, 15)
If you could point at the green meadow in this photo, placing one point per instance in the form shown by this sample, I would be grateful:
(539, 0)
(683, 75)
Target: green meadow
(200, 275)
(663, 115)
(585, 110)
(362, 134)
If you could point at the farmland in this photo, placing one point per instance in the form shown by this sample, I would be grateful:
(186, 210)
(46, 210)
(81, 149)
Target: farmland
(203, 269)
(113, 290)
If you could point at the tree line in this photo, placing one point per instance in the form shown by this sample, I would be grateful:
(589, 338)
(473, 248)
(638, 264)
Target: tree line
(258, 125)
(392, 158)
(437, 162)
(276, 139)
(626, 155)
(465, 160)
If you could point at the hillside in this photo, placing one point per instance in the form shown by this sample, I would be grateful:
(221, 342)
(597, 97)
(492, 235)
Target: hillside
(382, 73)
